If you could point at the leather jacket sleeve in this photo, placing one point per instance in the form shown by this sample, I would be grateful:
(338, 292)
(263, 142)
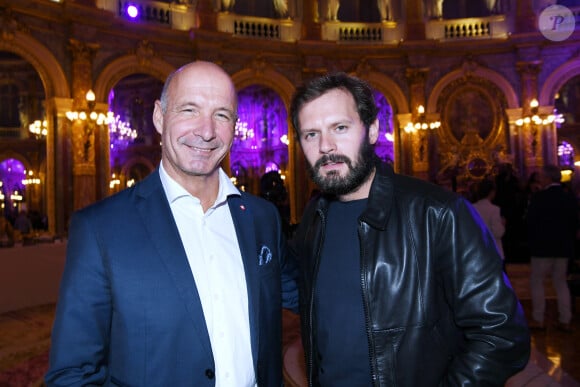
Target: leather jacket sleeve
(495, 339)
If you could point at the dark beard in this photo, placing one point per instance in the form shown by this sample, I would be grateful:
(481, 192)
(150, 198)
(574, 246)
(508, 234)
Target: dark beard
(357, 174)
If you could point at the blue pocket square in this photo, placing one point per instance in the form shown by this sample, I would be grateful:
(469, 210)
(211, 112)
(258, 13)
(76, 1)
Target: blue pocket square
(265, 255)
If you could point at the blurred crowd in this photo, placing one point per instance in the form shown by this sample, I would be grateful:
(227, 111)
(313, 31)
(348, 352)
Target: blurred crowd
(512, 194)
(19, 228)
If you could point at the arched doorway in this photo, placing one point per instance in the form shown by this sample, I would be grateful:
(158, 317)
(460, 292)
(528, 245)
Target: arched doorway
(23, 129)
(260, 137)
(384, 147)
(567, 111)
(133, 136)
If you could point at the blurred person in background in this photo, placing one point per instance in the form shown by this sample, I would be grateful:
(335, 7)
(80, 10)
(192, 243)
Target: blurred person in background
(489, 212)
(552, 225)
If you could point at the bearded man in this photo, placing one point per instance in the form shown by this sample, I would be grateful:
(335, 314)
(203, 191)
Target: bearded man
(401, 283)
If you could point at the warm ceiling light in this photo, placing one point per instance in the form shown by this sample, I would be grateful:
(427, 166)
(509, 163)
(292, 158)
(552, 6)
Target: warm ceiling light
(90, 96)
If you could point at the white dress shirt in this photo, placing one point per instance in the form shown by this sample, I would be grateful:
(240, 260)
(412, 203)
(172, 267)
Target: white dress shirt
(214, 256)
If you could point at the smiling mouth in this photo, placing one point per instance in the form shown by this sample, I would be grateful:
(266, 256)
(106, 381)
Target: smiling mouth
(197, 149)
(201, 150)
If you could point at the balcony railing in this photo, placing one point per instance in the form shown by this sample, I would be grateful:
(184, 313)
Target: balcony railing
(491, 27)
(176, 16)
(285, 30)
(386, 32)
(183, 17)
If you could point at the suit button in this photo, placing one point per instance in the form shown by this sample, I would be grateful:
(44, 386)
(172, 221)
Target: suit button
(209, 373)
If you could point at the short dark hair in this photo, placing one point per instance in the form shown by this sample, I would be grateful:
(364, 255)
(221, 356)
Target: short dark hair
(359, 89)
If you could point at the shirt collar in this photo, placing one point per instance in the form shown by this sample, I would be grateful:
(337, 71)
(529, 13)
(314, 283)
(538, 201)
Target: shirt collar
(173, 190)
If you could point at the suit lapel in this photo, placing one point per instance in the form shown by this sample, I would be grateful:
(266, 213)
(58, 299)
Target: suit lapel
(162, 231)
(246, 234)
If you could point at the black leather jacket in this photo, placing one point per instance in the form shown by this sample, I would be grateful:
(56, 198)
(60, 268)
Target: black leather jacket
(438, 309)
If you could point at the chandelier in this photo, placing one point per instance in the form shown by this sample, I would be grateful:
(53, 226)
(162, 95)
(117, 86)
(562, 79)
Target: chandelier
(30, 179)
(242, 132)
(90, 115)
(38, 128)
(421, 122)
(89, 119)
(120, 133)
(535, 121)
(539, 119)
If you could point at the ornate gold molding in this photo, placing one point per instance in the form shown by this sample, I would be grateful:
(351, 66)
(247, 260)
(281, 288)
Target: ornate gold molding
(363, 68)
(474, 124)
(417, 75)
(529, 68)
(82, 51)
(259, 65)
(144, 53)
(9, 25)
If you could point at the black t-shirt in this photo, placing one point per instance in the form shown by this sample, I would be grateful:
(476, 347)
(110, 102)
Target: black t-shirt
(341, 332)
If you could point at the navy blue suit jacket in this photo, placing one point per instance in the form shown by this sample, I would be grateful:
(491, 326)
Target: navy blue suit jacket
(129, 312)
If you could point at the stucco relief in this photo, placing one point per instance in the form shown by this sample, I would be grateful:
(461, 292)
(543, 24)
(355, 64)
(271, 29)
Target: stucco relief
(469, 109)
(473, 127)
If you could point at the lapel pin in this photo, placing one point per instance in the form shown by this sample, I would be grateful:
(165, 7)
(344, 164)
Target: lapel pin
(243, 207)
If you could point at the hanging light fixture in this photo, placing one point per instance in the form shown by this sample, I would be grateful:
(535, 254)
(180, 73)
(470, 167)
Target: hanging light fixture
(420, 122)
(38, 128)
(120, 133)
(535, 121)
(91, 114)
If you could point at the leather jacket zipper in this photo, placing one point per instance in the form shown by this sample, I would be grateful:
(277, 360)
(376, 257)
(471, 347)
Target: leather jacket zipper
(313, 287)
(363, 270)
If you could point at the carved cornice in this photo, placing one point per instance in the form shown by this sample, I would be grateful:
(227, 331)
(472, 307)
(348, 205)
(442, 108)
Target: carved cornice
(363, 68)
(259, 65)
(9, 24)
(417, 75)
(469, 66)
(145, 52)
(82, 51)
(529, 68)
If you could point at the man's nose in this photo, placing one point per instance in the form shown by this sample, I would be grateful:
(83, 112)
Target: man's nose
(205, 126)
(327, 144)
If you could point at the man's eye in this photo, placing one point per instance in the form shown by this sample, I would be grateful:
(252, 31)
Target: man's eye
(189, 110)
(341, 128)
(309, 135)
(223, 117)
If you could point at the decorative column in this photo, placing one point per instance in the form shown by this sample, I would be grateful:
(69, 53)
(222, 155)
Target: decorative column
(530, 132)
(516, 138)
(419, 139)
(82, 131)
(58, 163)
(404, 157)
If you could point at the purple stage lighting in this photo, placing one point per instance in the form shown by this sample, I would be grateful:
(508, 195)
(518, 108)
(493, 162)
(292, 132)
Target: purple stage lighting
(132, 11)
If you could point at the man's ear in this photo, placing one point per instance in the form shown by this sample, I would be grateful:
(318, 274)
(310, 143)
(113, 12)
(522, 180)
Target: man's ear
(158, 117)
(374, 132)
